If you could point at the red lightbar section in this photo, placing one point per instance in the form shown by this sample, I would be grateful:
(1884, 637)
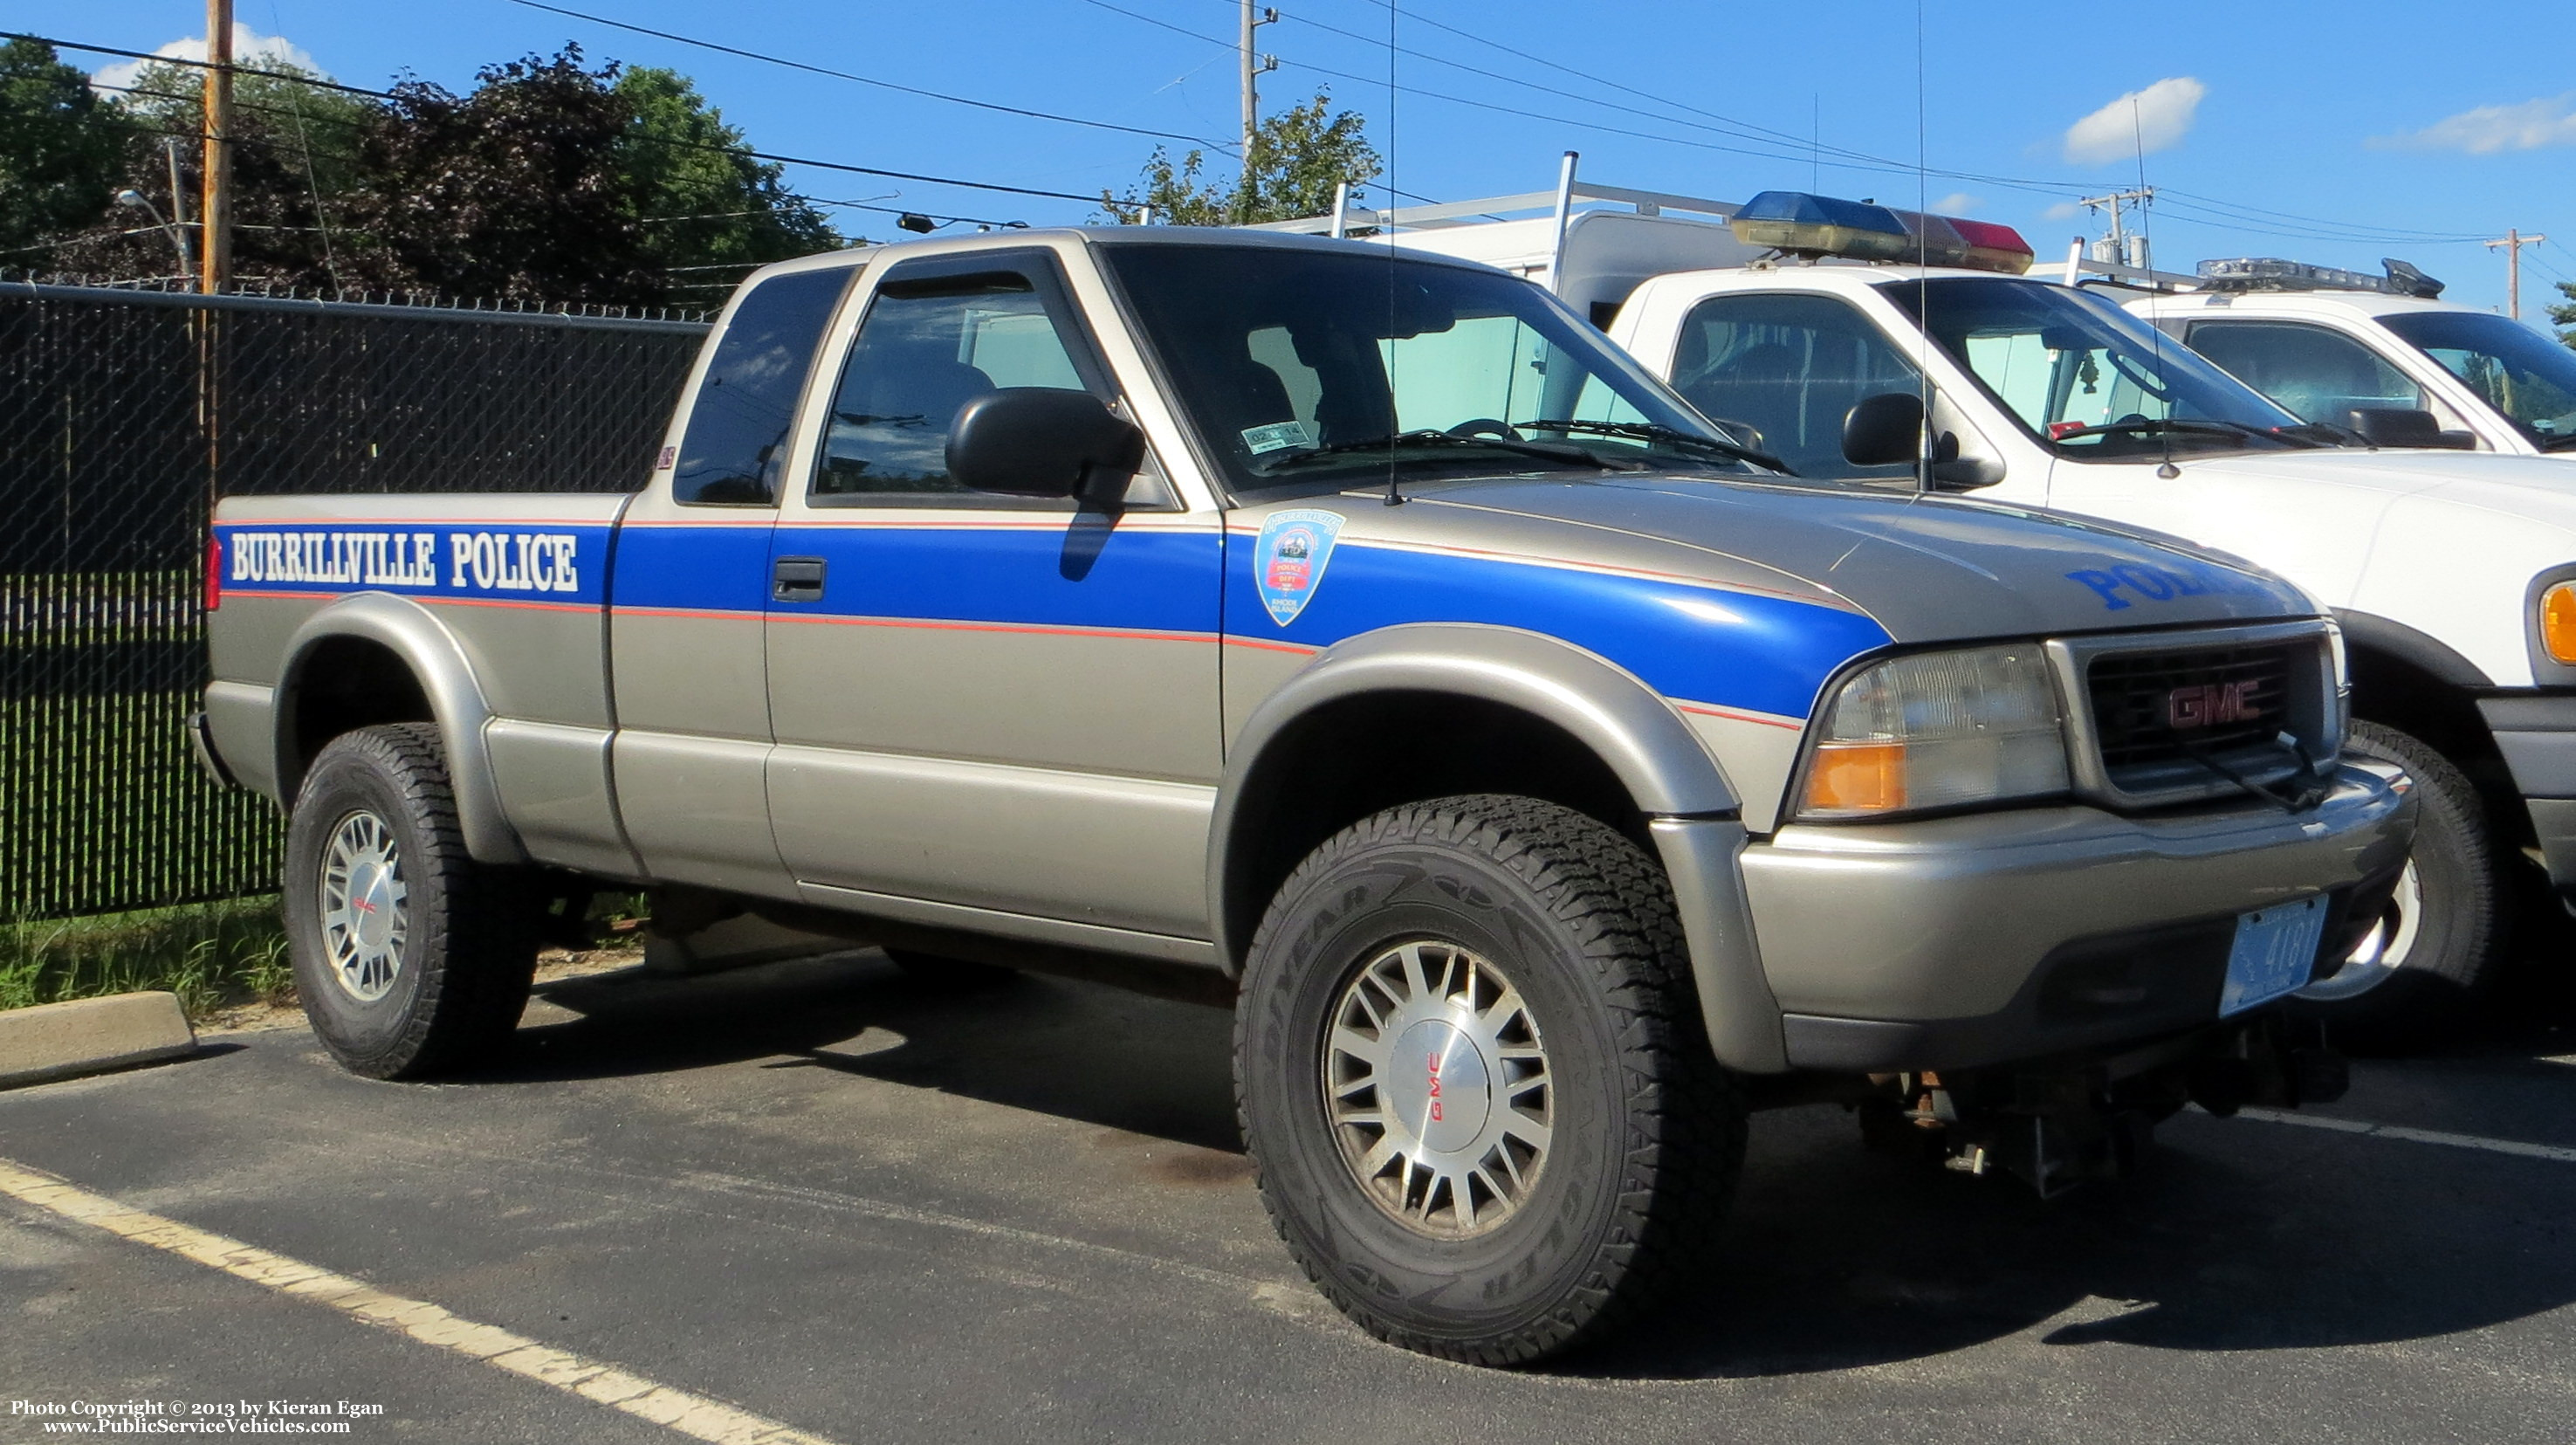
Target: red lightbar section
(1993, 247)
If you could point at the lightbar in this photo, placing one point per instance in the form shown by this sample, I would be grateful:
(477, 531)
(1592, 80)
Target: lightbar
(1796, 223)
(2271, 273)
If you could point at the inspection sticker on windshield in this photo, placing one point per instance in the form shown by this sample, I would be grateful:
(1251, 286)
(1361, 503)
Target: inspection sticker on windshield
(2275, 949)
(1288, 559)
(1279, 434)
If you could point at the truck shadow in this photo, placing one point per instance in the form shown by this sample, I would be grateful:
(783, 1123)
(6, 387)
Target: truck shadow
(2241, 1235)
(1086, 1052)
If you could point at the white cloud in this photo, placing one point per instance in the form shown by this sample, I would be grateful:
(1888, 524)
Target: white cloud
(2492, 128)
(2143, 120)
(248, 45)
(1957, 203)
(2062, 211)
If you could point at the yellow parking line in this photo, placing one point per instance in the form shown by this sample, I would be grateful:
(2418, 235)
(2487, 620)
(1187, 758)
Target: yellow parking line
(593, 1380)
(2514, 1147)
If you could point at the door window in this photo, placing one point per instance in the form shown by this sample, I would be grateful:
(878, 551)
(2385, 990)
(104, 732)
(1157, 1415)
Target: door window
(927, 347)
(2318, 374)
(1788, 367)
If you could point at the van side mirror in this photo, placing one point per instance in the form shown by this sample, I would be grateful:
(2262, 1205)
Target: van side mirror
(2392, 426)
(1039, 441)
(1884, 430)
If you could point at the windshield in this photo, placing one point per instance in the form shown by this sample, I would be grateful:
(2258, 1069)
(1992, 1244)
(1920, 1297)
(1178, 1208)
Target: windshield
(2087, 377)
(1321, 370)
(2521, 373)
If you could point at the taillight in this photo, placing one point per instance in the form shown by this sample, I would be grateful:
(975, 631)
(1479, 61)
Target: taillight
(214, 571)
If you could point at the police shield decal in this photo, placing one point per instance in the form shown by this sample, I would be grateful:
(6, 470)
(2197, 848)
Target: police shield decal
(1288, 561)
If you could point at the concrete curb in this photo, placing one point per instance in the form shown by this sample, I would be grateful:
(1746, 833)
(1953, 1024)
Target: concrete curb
(91, 1036)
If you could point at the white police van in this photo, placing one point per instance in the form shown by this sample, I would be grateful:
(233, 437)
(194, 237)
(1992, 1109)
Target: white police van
(2453, 573)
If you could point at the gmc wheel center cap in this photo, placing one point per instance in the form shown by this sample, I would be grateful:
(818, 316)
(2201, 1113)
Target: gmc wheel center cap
(1441, 1087)
(372, 896)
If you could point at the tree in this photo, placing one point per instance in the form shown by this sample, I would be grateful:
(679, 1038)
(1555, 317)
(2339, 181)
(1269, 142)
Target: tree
(2565, 315)
(548, 181)
(708, 212)
(61, 154)
(1298, 158)
(511, 191)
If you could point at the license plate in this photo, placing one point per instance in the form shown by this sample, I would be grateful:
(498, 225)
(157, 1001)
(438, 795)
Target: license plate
(2275, 949)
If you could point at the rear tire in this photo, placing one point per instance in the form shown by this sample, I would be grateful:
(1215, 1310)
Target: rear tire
(2443, 931)
(1531, 955)
(411, 958)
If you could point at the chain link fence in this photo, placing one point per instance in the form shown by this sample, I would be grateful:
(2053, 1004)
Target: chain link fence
(122, 415)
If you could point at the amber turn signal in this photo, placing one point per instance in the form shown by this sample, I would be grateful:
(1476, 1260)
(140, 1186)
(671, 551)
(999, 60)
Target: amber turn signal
(2558, 622)
(1857, 778)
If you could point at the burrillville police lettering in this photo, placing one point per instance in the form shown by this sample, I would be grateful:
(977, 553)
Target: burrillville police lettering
(479, 561)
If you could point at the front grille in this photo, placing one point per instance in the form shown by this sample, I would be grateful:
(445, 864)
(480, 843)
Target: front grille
(2158, 716)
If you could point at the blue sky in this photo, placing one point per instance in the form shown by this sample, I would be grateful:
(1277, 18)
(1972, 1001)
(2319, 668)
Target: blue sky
(2362, 120)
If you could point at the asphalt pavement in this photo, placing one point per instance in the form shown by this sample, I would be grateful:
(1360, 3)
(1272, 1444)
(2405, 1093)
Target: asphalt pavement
(855, 1206)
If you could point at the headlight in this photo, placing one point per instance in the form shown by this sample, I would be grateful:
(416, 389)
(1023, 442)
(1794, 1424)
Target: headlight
(2558, 622)
(1938, 730)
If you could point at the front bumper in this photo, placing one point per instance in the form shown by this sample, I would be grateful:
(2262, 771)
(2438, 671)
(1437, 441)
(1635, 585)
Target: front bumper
(2536, 732)
(1990, 938)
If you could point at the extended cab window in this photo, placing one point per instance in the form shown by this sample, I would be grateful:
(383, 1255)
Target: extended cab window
(1788, 368)
(2322, 375)
(737, 436)
(927, 347)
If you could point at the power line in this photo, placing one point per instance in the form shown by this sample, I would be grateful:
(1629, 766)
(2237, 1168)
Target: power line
(869, 80)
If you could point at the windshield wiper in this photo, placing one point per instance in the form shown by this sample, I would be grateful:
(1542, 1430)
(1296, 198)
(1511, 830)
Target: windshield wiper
(2151, 426)
(2558, 444)
(1670, 436)
(1428, 437)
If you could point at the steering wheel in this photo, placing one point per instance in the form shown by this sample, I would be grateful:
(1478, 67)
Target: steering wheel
(1485, 426)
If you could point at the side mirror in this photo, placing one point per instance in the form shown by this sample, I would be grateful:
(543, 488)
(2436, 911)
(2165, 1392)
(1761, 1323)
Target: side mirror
(2390, 426)
(1883, 430)
(1038, 441)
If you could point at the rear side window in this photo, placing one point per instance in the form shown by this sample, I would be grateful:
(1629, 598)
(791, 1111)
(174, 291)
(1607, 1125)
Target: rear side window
(2320, 375)
(737, 437)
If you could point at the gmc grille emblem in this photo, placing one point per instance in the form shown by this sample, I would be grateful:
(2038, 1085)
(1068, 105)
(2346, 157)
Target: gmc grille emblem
(2207, 704)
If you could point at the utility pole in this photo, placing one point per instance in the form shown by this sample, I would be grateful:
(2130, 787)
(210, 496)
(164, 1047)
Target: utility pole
(2513, 243)
(2120, 245)
(215, 210)
(1254, 65)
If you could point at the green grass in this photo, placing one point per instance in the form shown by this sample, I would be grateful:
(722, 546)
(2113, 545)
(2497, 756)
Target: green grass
(209, 954)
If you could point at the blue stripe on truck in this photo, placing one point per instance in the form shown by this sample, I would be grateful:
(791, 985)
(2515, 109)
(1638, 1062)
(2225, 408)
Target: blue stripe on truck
(1739, 649)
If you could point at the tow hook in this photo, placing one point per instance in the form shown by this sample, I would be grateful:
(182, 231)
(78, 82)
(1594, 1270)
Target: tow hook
(2056, 1127)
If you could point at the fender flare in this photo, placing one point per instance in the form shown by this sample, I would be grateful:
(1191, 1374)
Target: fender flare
(2417, 649)
(1656, 756)
(437, 661)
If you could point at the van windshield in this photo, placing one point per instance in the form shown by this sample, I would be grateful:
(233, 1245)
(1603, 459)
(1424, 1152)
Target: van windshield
(2089, 379)
(2521, 373)
(1324, 370)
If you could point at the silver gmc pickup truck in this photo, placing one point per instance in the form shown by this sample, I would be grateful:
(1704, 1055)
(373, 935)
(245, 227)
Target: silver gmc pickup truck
(1545, 780)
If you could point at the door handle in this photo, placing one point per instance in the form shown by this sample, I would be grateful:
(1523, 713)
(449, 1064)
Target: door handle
(796, 579)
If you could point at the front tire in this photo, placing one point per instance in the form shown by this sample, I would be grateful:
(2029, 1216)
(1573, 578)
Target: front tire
(1479, 1105)
(411, 958)
(2440, 936)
